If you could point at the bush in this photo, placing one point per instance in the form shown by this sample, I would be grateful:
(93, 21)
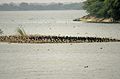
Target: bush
(21, 31)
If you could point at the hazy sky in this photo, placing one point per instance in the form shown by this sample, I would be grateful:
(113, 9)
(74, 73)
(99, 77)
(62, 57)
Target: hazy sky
(38, 1)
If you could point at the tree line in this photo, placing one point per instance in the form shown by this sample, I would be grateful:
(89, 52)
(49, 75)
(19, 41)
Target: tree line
(40, 6)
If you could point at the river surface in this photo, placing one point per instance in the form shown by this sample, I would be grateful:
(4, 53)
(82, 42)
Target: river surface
(58, 61)
(55, 23)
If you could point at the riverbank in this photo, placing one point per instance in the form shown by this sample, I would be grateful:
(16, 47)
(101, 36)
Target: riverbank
(93, 19)
(53, 39)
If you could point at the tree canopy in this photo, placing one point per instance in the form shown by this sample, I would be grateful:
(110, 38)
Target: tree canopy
(103, 8)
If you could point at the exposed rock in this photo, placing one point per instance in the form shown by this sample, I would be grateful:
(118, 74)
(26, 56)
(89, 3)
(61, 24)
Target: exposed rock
(78, 19)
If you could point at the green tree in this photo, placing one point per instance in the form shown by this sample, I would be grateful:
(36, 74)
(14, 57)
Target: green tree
(113, 8)
(103, 8)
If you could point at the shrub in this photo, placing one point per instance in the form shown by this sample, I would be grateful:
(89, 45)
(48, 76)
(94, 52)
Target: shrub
(21, 31)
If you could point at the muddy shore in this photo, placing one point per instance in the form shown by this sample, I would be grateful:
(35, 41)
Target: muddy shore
(53, 39)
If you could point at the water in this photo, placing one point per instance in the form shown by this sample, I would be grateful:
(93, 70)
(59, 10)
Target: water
(55, 23)
(58, 61)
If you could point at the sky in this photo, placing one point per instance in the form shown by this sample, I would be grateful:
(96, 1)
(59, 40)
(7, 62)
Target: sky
(39, 1)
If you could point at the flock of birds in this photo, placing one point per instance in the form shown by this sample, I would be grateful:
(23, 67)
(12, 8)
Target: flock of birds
(53, 39)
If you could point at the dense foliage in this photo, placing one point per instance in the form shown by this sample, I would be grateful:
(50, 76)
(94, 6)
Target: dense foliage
(103, 8)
